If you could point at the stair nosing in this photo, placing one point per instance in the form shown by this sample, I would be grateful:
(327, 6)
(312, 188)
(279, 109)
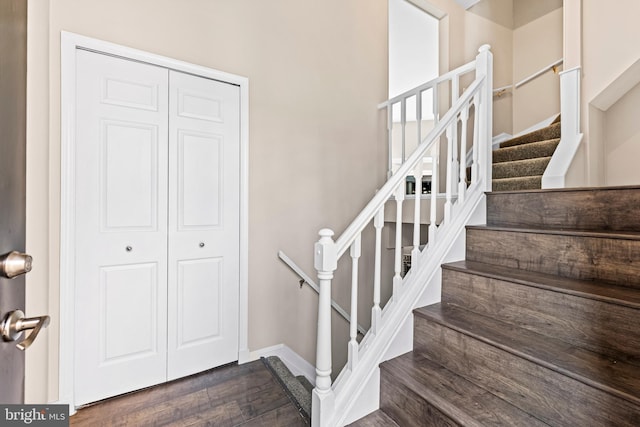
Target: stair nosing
(516, 177)
(475, 268)
(563, 190)
(526, 355)
(523, 161)
(620, 235)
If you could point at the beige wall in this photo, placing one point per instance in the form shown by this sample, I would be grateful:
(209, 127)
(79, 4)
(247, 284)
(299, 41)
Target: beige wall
(317, 71)
(609, 48)
(461, 35)
(622, 136)
(536, 45)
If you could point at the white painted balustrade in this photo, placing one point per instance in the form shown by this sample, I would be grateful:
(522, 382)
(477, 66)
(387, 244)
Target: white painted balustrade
(444, 143)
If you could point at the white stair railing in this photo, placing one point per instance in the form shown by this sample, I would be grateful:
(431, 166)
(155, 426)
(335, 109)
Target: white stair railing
(398, 113)
(332, 400)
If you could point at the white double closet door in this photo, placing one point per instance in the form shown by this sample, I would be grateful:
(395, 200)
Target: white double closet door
(157, 225)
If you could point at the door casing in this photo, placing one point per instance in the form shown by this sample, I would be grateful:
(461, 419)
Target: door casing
(70, 43)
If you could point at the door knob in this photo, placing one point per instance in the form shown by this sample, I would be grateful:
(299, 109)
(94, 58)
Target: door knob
(14, 324)
(14, 263)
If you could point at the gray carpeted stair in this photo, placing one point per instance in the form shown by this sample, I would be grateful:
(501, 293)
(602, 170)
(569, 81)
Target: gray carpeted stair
(297, 388)
(520, 162)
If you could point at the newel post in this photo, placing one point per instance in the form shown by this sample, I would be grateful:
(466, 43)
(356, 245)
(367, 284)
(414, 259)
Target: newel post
(326, 262)
(484, 67)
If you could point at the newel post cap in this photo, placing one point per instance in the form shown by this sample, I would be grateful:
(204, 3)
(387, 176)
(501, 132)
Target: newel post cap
(484, 48)
(325, 253)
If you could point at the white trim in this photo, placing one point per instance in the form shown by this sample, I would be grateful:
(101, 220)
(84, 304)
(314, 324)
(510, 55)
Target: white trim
(617, 88)
(69, 44)
(429, 8)
(292, 360)
(542, 124)
(570, 136)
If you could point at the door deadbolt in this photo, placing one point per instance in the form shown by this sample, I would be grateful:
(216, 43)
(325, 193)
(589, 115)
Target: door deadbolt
(14, 324)
(14, 263)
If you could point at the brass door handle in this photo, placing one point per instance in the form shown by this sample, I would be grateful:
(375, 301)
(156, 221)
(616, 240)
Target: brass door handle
(15, 323)
(14, 263)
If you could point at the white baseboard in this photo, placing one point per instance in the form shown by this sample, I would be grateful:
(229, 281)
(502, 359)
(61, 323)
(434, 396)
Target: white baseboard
(292, 360)
(542, 124)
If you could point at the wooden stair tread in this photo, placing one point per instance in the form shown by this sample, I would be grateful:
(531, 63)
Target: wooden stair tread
(375, 419)
(462, 400)
(605, 234)
(614, 294)
(612, 376)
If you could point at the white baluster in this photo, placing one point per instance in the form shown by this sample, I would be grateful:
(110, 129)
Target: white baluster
(450, 175)
(376, 311)
(476, 129)
(403, 122)
(454, 137)
(455, 88)
(419, 117)
(325, 261)
(390, 138)
(436, 107)
(462, 184)
(353, 326)
(435, 185)
(418, 171)
(397, 278)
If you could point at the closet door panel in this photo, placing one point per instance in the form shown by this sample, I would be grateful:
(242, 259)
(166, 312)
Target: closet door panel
(121, 226)
(204, 153)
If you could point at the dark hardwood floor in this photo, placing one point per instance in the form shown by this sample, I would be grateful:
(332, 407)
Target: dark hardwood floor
(233, 395)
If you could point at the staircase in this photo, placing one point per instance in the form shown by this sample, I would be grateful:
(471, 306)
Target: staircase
(520, 162)
(540, 325)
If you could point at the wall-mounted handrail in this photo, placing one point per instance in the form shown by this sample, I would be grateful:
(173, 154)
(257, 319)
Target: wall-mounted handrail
(468, 124)
(553, 66)
(304, 278)
(504, 89)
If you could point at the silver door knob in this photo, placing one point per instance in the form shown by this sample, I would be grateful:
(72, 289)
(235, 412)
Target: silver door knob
(14, 324)
(14, 263)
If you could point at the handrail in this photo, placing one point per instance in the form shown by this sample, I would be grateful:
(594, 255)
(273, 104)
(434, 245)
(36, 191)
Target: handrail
(306, 279)
(470, 117)
(553, 66)
(463, 69)
(387, 190)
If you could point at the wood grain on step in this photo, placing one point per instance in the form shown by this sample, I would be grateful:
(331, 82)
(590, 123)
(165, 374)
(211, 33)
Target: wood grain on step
(418, 391)
(609, 257)
(616, 209)
(548, 394)
(375, 419)
(598, 325)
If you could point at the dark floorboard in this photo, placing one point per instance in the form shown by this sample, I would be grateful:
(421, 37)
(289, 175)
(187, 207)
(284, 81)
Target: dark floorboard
(233, 395)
